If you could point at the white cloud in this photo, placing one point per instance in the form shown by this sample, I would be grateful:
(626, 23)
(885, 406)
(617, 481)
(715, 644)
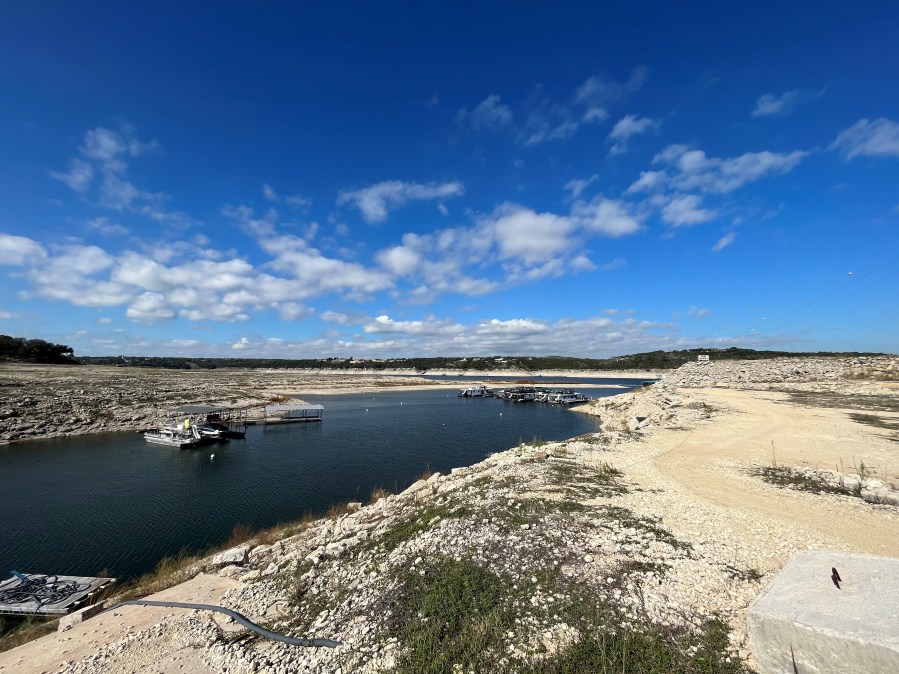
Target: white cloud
(149, 307)
(724, 242)
(8, 315)
(78, 177)
(104, 320)
(336, 317)
(595, 114)
(376, 201)
(490, 114)
(400, 260)
(530, 236)
(104, 226)
(684, 210)
(20, 250)
(298, 201)
(108, 147)
(293, 311)
(770, 105)
(606, 217)
(429, 326)
(697, 312)
(648, 181)
(869, 139)
(625, 128)
(600, 91)
(577, 186)
(696, 171)
(269, 193)
(242, 345)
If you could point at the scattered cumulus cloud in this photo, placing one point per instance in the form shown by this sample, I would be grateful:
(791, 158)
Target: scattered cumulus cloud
(490, 114)
(869, 139)
(104, 226)
(697, 312)
(242, 344)
(601, 91)
(694, 170)
(78, 177)
(625, 128)
(648, 181)
(106, 152)
(724, 242)
(770, 105)
(376, 201)
(684, 210)
(543, 119)
(577, 186)
(19, 251)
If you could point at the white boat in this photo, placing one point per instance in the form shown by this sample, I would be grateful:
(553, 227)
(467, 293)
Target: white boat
(572, 398)
(475, 392)
(174, 437)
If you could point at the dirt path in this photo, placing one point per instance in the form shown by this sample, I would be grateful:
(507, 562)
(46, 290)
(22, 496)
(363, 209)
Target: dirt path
(710, 463)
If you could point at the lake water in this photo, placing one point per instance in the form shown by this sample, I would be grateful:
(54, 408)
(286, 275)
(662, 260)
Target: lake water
(113, 502)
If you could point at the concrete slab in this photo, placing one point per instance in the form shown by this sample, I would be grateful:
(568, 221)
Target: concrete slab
(850, 628)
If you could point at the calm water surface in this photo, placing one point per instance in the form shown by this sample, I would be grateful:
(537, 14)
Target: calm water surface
(112, 502)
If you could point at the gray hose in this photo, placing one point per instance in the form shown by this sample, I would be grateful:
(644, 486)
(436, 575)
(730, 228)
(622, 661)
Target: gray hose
(327, 643)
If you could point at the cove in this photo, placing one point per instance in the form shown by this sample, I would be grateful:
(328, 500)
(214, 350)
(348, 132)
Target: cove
(113, 503)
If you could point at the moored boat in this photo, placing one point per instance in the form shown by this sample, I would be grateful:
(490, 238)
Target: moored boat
(183, 438)
(475, 392)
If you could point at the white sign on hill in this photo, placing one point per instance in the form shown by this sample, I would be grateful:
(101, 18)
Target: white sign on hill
(703, 358)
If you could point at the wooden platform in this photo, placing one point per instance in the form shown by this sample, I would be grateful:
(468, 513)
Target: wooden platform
(47, 595)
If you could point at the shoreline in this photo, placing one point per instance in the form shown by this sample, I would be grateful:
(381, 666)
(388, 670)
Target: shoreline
(47, 401)
(664, 515)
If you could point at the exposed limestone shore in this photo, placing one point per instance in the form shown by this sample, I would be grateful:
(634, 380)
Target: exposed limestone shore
(46, 401)
(668, 518)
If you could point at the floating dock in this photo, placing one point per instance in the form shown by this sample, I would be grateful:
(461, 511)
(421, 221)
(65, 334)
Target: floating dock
(289, 413)
(36, 594)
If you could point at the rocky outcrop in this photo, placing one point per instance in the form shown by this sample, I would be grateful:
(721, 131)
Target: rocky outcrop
(767, 373)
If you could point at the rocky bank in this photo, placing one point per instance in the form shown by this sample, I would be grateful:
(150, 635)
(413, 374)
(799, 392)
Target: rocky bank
(547, 552)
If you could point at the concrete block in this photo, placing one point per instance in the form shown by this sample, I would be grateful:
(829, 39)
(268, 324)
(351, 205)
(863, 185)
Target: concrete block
(853, 628)
(79, 616)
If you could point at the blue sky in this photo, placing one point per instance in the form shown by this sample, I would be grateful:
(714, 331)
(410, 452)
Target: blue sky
(371, 180)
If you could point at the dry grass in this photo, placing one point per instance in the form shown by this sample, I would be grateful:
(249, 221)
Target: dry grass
(378, 493)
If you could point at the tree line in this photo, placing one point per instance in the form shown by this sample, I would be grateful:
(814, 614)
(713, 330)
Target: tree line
(34, 351)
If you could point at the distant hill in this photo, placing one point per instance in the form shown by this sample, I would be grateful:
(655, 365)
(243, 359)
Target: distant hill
(19, 349)
(652, 360)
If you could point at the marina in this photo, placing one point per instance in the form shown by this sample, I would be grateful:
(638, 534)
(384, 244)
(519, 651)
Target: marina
(71, 490)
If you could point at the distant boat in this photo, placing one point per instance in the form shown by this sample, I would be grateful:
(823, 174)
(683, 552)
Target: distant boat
(475, 392)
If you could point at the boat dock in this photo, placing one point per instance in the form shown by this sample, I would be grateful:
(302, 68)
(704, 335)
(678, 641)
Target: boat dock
(28, 594)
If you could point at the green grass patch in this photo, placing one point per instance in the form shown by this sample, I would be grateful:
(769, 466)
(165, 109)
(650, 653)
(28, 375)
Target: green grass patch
(787, 478)
(579, 481)
(410, 528)
(455, 615)
(626, 518)
(457, 612)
